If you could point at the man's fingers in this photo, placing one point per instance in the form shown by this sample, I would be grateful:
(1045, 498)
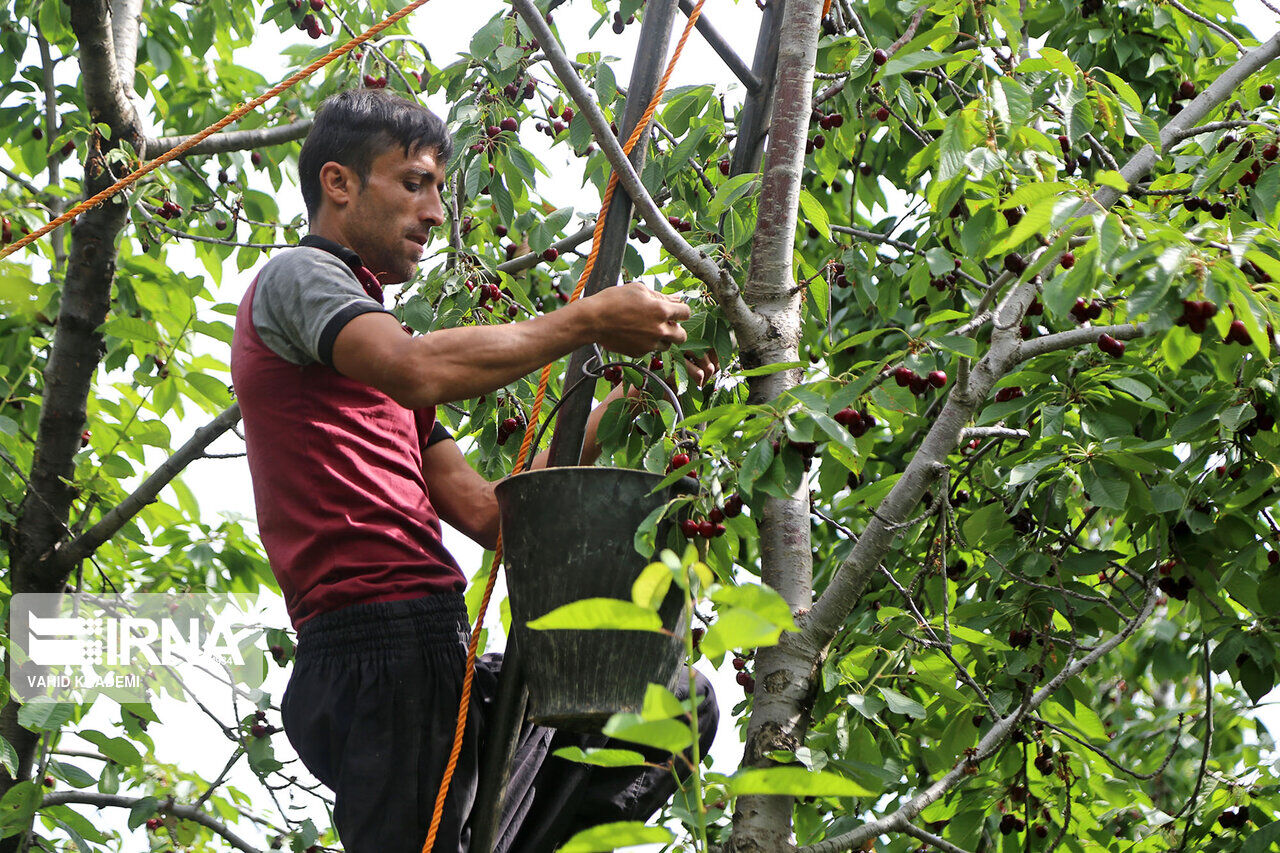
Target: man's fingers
(680, 311)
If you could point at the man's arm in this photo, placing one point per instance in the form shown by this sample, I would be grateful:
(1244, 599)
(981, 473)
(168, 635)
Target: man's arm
(461, 363)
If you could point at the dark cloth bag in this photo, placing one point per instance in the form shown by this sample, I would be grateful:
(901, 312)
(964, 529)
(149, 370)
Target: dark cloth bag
(371, 708)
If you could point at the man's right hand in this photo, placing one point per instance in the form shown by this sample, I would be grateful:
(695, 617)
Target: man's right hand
(634, 320)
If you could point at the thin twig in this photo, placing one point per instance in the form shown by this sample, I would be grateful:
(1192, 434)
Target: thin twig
(1218, 28)
(1190, 807)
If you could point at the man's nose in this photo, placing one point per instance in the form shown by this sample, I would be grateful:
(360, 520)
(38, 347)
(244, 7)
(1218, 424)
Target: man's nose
(432, 211)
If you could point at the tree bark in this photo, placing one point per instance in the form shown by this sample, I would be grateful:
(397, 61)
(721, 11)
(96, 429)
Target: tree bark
(41, 523)
(785, 674)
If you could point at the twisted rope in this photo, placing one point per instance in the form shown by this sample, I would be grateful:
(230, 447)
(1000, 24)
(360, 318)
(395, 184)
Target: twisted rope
(234, 115)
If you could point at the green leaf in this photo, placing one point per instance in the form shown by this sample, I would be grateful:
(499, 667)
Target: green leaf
(978, 232)
(900, 704)
(738, 628)
(118, 749)
(794, 782)
(141, 810)
(729, 192)
(901, 63)
(611, 836)
(44, 716)
(601, 757)
(18, 807)
(1012, 101)
(759, 599)
(109, 781)
(668, 735)
(1105, 486)
(8, 757)
(593, 614)
(815, 213)
(72, 775)
(1262, 839)
(650, 588)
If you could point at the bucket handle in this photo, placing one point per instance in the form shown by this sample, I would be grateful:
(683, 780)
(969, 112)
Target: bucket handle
(593, 368)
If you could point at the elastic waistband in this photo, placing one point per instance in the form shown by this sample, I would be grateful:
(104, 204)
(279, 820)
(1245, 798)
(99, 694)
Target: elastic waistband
(439, 620)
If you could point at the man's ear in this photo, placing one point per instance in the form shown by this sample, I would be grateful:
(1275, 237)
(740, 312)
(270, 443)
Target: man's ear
(338, 183)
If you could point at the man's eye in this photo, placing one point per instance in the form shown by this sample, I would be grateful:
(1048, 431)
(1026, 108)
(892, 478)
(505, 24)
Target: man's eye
(411, 186)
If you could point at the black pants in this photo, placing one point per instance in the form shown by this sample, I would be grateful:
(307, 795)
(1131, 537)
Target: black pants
(371, 708)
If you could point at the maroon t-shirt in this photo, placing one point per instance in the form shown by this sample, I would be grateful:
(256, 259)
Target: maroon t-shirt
(343, 508)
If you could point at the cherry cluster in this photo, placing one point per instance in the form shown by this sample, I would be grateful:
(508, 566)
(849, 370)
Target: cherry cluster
(1084, 311)
(1196, 314)
(1011, 392)
(713, 525)
(1178, 587)
(919, 385)
(744, 678)
(520, 90)
(510, 426)
(558, 123)
(1237, 819)
(1020, 638)
(169, 210)
(1011, 823)
(857, 422)
(1237, 334)
(309, 21)
(619, 24)
(1110, 346)
(492, 293)
(260, 727)
(371, 82)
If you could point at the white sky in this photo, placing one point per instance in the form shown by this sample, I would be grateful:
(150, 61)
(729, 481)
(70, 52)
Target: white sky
(188, 738)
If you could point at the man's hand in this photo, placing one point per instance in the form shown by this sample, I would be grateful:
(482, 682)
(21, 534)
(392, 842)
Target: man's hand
(635, 320)
(702, 368)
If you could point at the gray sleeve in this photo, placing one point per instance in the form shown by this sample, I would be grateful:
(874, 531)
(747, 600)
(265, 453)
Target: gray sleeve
(303, 299)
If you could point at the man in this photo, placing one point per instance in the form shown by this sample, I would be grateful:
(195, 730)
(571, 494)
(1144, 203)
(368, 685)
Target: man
(352, 476)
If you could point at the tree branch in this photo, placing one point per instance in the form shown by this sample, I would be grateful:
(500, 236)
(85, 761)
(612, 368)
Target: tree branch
(231, 140)
(520, 263)
(970, 433)
(125, 18)
(1214, 126)
(698, 263)
(723, 49)
(930, 839)
(1078, 338)
(1216, 27)
(179, 810)
(111, 522)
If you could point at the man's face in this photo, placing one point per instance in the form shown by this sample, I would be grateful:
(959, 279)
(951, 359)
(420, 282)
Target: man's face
(390, 217)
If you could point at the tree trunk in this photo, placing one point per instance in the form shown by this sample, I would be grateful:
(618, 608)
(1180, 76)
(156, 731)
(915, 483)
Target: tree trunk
(784, 673)
(41, 524)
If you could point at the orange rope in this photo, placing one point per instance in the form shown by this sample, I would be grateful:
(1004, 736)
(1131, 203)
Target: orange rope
(235, 115)
(530, 429)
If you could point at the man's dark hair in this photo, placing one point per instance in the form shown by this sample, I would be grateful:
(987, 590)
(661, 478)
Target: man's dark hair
(355, 126)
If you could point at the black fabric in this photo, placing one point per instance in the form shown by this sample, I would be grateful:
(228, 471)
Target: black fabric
(347, 256)
(439, 432)
(371, 708)
(329, 334)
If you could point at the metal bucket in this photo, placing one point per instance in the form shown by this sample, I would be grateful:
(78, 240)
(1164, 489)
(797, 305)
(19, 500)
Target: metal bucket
(567, 534)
